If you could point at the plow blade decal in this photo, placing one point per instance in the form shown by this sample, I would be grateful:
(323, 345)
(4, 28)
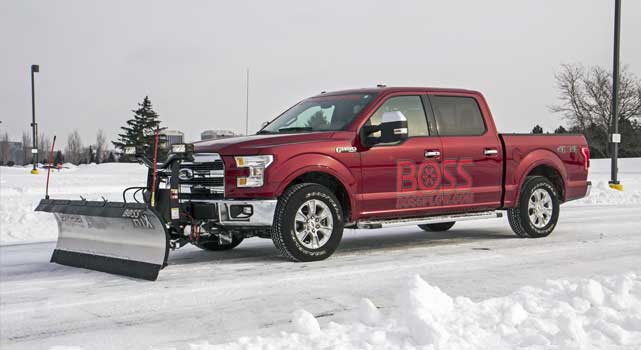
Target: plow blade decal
(121, 238)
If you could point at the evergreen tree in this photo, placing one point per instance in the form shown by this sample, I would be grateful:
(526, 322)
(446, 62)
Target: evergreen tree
(560, 130)
(91, 156)
(140, 131)
(537, 129)
(111, 158)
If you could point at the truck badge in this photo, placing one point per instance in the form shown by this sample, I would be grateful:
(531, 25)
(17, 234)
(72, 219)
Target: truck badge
(345, 149)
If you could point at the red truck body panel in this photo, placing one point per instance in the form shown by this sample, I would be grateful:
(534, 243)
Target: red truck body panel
(469, 179)
(560, 152)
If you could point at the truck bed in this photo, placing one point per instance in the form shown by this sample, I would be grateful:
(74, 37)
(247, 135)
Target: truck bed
(531, 151)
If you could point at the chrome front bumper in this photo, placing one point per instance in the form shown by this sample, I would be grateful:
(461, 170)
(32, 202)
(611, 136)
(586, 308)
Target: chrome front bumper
(262, 212)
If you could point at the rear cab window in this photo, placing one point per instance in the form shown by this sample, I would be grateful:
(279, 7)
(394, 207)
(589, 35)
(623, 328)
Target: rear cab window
(457, 116)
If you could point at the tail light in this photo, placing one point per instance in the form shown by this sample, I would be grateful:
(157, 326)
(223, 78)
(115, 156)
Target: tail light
(586, 157)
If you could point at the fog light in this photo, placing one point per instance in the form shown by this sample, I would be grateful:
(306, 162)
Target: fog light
(240, 211)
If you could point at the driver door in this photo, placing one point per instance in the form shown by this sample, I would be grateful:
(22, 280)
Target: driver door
(402, 179)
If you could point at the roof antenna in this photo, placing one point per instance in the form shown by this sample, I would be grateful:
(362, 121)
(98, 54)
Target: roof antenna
(381, 85)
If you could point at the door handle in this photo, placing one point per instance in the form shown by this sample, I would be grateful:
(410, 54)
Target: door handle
(432, 154)
(490, 151)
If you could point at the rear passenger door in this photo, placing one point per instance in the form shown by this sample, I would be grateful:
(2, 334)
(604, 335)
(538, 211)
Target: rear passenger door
(471, 167)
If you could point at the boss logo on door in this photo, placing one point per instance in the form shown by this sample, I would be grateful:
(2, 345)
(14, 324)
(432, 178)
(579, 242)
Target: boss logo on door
(433, 184)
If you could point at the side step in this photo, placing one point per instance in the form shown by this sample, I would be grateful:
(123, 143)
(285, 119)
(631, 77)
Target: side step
(372, 224)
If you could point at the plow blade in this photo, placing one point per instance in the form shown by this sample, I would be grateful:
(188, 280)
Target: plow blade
(121, 238)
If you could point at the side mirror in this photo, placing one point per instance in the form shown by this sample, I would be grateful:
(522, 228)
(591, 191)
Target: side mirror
(393, 128)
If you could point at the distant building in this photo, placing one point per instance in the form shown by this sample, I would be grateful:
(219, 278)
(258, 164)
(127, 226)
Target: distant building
(216, 134)
(12, 152)
(173, 137)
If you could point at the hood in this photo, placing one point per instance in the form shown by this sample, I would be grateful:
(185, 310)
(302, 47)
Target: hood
(255, 144)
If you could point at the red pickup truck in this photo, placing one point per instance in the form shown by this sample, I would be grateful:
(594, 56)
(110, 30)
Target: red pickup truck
(371, 158)
(365, 158)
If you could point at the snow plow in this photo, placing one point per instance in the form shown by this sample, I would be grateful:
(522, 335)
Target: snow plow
(127, 239)
(130, 238)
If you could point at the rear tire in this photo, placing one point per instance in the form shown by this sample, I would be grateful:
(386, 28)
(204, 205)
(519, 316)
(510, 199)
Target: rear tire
(537, 211)
(440, 227)
(214, 246)
(308, 223)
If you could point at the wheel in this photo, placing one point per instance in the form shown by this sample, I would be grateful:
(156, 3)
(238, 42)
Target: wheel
(308, 223)
(537, 211)
(441, 226)
(213, 245)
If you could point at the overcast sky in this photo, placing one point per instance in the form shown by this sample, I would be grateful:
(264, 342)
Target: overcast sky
(98, 59)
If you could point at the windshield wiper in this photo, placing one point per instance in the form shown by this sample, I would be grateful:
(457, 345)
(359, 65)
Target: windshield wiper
(297, 128)
(265, 132)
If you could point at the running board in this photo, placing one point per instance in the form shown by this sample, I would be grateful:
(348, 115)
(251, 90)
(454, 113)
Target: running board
(372, 224)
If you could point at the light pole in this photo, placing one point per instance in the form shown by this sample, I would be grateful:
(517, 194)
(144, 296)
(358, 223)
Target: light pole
(615, 137)
(34, 151)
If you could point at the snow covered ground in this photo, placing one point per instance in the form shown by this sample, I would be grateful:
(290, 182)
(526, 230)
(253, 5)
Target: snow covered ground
(21, 191)
(585, 283)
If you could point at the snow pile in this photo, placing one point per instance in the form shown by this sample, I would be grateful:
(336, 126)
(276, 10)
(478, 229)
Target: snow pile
(590, 313)
(20, 192)
(602, 194)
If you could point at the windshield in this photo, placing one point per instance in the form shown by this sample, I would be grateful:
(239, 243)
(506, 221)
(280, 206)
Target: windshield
(321, 113)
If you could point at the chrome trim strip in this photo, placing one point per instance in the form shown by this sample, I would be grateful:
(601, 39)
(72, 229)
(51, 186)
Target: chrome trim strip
(206, 157)
(372, 224)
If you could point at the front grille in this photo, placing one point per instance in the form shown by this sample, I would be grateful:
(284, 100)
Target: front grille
(207, 178)
(205, 181)
(215, 165)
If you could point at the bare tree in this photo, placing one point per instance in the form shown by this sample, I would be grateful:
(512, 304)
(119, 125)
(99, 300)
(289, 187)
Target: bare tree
(101, 140)
(586, 95)
(585, 101)
(26, 147)
(44, 147)
(74, 153)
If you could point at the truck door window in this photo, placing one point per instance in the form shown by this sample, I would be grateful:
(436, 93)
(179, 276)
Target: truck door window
(412, 109)
(457, 116)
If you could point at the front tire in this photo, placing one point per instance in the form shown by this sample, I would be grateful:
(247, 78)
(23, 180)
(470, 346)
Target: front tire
(308, 223)
(537, 211)
(440, 227)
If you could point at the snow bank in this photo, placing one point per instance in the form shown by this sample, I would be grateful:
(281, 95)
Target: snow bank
(600, 313)
(20, 192)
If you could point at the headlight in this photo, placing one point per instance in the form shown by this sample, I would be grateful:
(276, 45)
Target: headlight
(256, 166)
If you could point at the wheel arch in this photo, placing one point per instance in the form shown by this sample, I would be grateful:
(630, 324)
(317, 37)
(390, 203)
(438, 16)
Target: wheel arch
(328, 172)
(542, 163)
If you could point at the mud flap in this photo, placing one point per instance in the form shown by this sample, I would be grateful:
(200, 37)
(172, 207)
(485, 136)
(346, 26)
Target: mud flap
(127, 239)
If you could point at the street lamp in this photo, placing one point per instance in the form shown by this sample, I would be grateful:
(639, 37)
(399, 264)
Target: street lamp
(34, 151)
(615, 137)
